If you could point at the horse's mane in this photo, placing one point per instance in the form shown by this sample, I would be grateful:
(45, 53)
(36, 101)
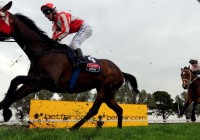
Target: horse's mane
(30, 23)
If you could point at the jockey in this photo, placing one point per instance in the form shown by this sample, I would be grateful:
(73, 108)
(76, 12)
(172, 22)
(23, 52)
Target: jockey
(195, 66)
(65, 23)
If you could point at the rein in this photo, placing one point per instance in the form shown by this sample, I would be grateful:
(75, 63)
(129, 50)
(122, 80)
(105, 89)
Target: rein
(7, 41)
(193, 80)
(47, 50)
(21, 39)
(32, 54)
(11, 27)
(40, 52)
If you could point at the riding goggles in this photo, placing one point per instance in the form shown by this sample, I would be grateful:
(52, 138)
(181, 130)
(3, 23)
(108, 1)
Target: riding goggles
(47, 12)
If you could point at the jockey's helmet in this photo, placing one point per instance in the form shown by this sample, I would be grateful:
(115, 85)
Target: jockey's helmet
(47, 8)
(193, 61)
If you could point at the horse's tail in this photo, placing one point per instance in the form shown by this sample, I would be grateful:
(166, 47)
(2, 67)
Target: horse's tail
(132, 80)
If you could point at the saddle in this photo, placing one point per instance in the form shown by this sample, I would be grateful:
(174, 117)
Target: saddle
(89, 64)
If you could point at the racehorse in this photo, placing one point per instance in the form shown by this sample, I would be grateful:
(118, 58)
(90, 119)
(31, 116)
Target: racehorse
(52, 70)
(191, 82)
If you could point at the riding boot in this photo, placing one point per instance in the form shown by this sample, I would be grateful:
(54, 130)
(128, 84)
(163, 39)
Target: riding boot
(80, 56)
(79, 53)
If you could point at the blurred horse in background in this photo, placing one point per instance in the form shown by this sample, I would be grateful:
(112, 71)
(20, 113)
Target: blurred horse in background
(191, 82)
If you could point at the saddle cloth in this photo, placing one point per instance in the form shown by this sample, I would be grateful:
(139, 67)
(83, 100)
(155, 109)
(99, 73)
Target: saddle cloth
(92, 65)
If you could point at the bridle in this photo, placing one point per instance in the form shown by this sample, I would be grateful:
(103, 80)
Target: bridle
(3, 16)
(188, 80)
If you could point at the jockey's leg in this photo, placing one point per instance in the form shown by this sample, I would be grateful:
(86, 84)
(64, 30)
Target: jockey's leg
(79, 54)
(84, 33)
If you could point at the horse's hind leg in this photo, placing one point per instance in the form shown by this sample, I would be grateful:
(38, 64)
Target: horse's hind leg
(184, 108)
(111, 103)
(92, 112)
(193, 118)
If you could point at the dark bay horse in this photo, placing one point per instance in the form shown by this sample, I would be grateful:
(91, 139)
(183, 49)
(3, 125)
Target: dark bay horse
(51, 69)
(191, 82)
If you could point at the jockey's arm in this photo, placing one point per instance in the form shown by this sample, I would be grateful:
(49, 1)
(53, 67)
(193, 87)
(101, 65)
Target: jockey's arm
(60, 33)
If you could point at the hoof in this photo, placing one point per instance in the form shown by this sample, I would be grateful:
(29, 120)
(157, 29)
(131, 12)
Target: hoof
(193, 119)
(7, 114)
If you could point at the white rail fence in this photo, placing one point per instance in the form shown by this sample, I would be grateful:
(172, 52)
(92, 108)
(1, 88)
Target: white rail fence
(25, 122)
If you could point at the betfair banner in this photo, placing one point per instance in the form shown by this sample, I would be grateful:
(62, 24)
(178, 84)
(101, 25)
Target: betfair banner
(64, 114)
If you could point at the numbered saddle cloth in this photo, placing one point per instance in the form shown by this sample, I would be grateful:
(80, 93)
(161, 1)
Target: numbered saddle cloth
(92, 65)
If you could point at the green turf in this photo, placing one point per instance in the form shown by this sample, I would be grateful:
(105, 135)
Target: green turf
(152, 132)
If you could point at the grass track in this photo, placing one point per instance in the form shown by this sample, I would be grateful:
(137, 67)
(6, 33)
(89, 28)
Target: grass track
(152, 132)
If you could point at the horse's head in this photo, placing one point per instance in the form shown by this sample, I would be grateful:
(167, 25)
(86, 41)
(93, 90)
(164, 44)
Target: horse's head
(187, 76)
(5, 22)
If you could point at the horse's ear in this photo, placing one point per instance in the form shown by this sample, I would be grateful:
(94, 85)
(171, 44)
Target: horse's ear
(7, 6)
(186, 67)
(181, 69)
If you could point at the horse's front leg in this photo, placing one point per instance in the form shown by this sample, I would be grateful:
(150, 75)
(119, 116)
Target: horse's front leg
(19, 94)
(13, 94)
(193, 118)
(183, 110)
(185, 107)
(11, 90)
